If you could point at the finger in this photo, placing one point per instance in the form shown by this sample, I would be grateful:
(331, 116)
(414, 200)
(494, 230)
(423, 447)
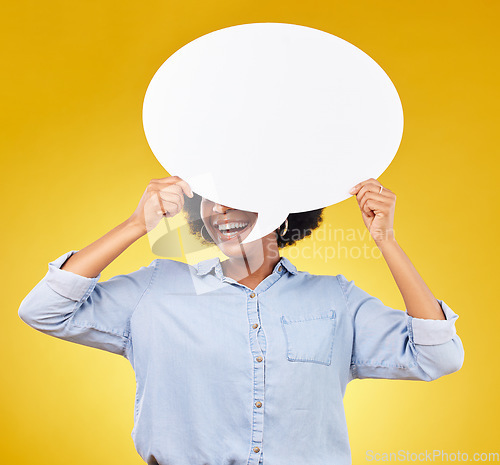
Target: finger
(169, 180)
(358, 186)
(173, 197)
(387, 201)
(372, 189)
(172, 188)
(175, 180)
(170, 208)
(369, 214)
(374, 206)
(186, 188)
(370, 196)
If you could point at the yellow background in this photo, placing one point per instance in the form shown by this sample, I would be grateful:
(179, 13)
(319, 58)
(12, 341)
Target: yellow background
(75, 163)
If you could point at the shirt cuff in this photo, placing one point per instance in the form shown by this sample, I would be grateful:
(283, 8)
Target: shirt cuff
(432, 332)
(68, 284)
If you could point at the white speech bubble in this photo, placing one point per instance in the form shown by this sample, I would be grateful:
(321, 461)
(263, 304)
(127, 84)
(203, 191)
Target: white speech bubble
(280, 118)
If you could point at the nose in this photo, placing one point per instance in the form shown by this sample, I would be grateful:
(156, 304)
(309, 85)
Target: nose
(218, 208)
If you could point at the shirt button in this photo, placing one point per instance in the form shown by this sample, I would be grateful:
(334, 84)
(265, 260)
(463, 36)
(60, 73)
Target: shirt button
(258, 404)
(256, 449)
(280, 268)
(255, 326)
(252, 295)
(259, 358)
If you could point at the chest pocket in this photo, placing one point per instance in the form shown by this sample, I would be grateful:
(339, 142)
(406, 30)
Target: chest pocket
(310, 338)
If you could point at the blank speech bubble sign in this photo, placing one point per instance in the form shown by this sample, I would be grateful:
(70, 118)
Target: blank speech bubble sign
(272, 118)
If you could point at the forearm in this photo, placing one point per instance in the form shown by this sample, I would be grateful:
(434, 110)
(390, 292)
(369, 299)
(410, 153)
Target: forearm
(418, 298)
(91, 260)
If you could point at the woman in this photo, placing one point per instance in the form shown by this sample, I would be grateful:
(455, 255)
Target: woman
(244, 361)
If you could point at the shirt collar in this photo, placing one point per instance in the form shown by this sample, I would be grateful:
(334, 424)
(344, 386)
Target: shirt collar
(205, 266)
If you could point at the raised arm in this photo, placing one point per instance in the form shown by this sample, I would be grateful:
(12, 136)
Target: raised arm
(420, 343)
(91, 261)
(70, 303)
(162, 197)
(377, 204)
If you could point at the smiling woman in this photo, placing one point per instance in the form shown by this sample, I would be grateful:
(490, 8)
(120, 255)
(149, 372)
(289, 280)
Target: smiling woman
(252, 369)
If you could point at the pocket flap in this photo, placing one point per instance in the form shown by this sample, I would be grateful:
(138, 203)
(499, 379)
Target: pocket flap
(310, 337)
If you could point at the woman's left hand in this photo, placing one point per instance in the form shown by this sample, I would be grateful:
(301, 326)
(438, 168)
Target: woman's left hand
(377, 208)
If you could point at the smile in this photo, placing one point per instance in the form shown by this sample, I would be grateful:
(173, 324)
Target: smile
(231, 229)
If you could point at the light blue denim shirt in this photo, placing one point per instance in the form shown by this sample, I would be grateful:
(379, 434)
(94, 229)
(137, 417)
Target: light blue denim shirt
(230, 375)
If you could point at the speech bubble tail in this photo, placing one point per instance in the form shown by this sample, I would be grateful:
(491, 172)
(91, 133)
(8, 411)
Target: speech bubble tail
(267, 222)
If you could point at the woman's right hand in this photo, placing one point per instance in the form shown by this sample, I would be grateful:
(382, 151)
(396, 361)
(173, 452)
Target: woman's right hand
(162, 198)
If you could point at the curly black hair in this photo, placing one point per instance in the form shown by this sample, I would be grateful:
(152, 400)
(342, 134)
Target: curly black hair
(300, 225)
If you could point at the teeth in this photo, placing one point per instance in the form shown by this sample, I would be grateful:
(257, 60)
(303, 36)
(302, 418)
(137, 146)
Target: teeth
(225, 227)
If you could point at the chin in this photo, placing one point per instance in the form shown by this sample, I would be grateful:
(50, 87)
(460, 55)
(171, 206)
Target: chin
(236, 250)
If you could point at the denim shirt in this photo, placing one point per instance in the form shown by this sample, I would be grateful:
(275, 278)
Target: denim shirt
(230, 375)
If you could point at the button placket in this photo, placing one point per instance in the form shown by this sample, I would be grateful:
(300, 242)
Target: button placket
(258, 378)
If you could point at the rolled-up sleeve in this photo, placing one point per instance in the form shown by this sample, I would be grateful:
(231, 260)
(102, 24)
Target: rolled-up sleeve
(390, 344)
(83, 310)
